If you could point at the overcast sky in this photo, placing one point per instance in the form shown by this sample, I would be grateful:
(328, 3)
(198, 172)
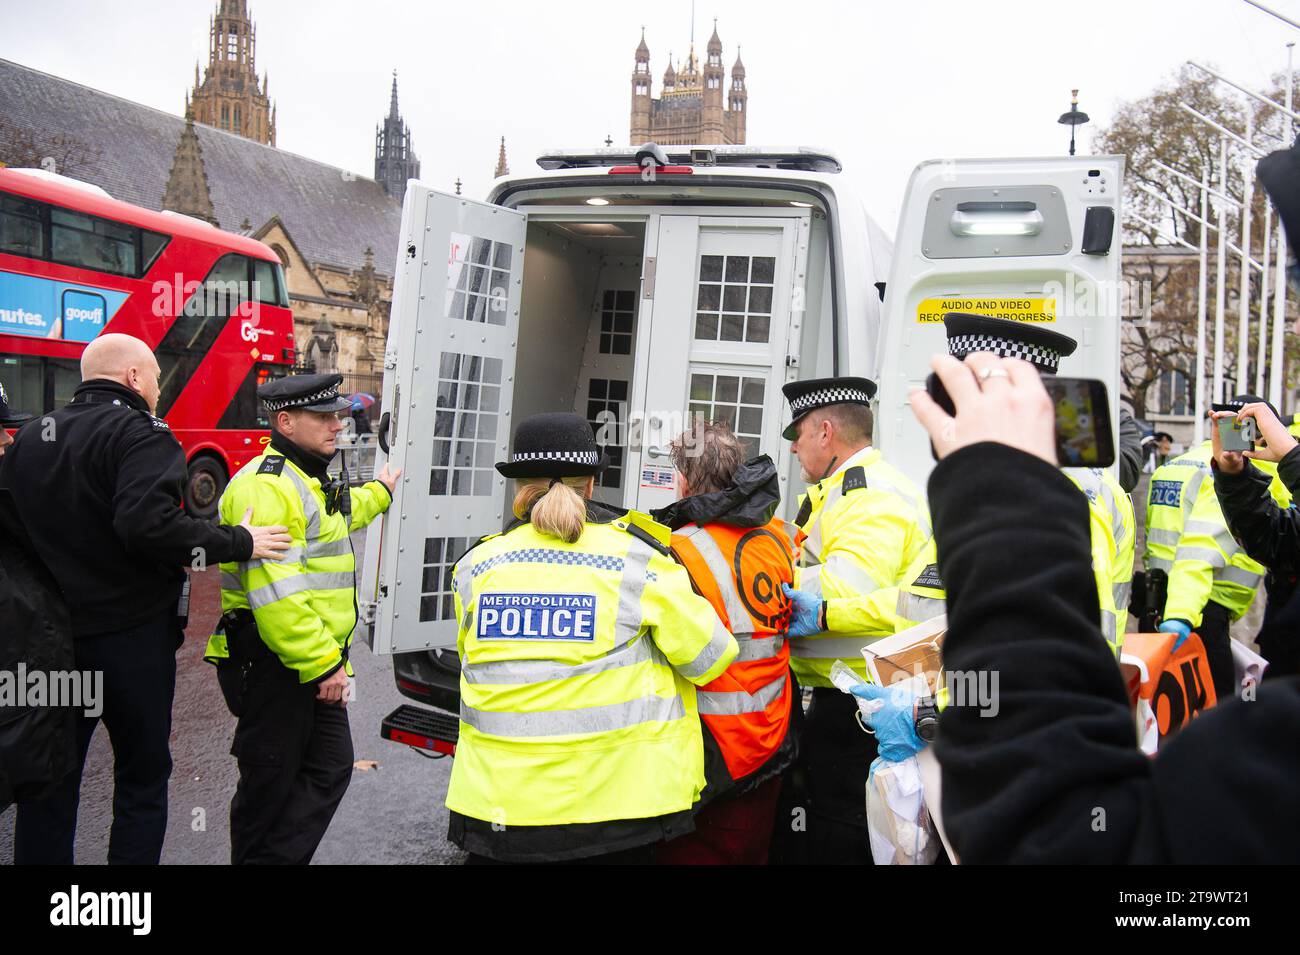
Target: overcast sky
(882, 85)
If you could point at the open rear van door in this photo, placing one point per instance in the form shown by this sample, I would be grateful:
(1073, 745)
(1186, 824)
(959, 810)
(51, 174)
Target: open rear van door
(449, 371)
(1034, 240)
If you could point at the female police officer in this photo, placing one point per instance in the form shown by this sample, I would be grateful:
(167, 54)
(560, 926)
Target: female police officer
(580, 640)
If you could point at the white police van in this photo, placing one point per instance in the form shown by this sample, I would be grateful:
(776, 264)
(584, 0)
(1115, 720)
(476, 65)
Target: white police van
(639, 286)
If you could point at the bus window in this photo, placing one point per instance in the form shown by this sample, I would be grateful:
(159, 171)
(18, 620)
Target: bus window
(24, 381)
(192, 335)
(268, 279)
(92, 243)
(39, 385)
(21, 231)
(244, 410)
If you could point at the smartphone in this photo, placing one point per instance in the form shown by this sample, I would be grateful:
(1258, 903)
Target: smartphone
(1083, 432)
(1237, 435)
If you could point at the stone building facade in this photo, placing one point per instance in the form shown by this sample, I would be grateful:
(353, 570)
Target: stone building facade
(696, 104)
(229, 96)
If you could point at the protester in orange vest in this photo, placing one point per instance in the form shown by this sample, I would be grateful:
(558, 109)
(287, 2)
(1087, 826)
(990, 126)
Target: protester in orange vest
(738, 556)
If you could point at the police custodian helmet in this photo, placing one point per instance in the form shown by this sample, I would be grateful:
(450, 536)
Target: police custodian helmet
(555, 445)
(308, 392)
(8, 417)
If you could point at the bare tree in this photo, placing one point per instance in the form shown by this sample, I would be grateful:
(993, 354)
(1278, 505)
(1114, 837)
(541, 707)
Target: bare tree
(22, 148)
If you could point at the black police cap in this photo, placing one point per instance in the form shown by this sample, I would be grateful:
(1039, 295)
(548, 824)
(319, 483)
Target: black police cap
(806, 396)
(1041, 347)
(308, 392)
(555, 445)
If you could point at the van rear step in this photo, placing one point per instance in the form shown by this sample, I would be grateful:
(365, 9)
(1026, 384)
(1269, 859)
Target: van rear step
(421, 728)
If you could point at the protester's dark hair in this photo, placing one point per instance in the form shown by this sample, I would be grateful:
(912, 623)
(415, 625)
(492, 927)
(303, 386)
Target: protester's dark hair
(708, 455)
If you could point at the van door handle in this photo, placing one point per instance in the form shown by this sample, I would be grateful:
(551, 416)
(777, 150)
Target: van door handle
(657, 452)
(383, 431)
(996, 218)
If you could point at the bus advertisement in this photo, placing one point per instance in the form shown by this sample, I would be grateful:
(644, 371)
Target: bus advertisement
(75, 263)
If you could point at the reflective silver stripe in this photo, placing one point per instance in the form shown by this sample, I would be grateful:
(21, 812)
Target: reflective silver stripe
(710, 655)
(919, 512)
(1237, 575)
(628, 622)
(810, 581)
(1120, 593)
(279, 589)
(1162, 535)
(1160, 563)
(1190, 490)
(310, 509)
(737, 616)
(735, 702)
(758, 648)
(592, 719)
(329, 548)
(230, 581)
(293, 555)
(828, 648)
(855, 576)
(1206, 554)
(1108, 626)
(916, 608)
(463, 578)
(521, 672)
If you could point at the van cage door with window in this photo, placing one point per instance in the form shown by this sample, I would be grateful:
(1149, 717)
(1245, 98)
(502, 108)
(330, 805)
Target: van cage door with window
(448, 387)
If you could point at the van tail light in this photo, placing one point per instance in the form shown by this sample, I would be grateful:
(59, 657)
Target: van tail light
(658, 170)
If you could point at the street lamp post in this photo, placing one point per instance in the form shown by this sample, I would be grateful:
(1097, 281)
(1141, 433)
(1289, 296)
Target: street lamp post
(1075, 117)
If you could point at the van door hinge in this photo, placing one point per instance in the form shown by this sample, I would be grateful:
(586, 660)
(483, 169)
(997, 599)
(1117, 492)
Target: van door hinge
(648, 279)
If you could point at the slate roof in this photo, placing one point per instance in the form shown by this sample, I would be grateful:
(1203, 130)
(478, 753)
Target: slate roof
(332, 214)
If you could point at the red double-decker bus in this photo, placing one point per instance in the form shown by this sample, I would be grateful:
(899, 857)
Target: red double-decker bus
(75, 263)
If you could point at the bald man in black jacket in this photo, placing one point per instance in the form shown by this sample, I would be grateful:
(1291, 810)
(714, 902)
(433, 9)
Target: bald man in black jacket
(1056, 776)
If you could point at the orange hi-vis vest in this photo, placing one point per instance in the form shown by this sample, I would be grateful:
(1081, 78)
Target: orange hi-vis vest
(740, 571)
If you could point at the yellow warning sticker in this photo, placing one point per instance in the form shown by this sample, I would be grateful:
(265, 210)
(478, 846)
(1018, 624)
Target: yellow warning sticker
(1031, 310)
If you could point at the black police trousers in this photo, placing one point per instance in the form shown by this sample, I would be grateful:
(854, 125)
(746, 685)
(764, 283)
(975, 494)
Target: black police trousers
(295, 763)
(822, 817)
(1216, 621)
(139, 680)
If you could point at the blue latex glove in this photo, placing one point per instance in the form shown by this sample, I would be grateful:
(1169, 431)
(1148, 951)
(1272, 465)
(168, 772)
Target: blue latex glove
(895, 723)
(1180, 627)
(806, 615)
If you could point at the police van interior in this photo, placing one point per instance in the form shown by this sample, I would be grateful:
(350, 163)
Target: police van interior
(638, 288)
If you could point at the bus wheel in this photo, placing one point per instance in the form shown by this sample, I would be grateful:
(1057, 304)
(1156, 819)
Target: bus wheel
(207, 479)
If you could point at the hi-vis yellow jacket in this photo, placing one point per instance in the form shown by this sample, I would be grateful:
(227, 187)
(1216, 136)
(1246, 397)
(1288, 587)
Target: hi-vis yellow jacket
(305, 604)
(1113, 530)
(866, 548)
(1188, 538)
(578, 671)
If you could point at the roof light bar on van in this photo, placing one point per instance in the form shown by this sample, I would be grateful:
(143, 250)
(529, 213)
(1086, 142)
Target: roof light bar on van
(804, 158)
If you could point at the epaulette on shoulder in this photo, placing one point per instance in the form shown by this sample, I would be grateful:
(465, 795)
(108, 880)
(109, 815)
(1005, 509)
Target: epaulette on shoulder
(855, 478)
(647, 530)
(155, 422)
(271, 464)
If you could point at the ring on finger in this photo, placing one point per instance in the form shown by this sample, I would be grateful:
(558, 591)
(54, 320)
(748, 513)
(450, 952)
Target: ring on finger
(987, 373)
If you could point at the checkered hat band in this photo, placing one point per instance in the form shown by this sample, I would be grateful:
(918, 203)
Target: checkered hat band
(279, 404)
(959, 346)
(828, 396)
(568, 457)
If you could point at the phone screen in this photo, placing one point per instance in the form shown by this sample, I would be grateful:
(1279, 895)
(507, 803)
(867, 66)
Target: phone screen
(1083, 432)
(1079, 436)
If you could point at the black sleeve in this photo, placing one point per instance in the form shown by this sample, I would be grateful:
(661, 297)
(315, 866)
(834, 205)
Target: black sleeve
(147, 513)
(1268, 533)
(1130, 451)
(1053, 772)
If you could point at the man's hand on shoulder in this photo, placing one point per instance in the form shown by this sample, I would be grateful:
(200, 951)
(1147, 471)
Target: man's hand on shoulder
(269, 542)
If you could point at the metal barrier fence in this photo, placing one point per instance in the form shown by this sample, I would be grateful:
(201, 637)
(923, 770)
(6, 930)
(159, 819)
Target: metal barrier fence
(357, 454)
